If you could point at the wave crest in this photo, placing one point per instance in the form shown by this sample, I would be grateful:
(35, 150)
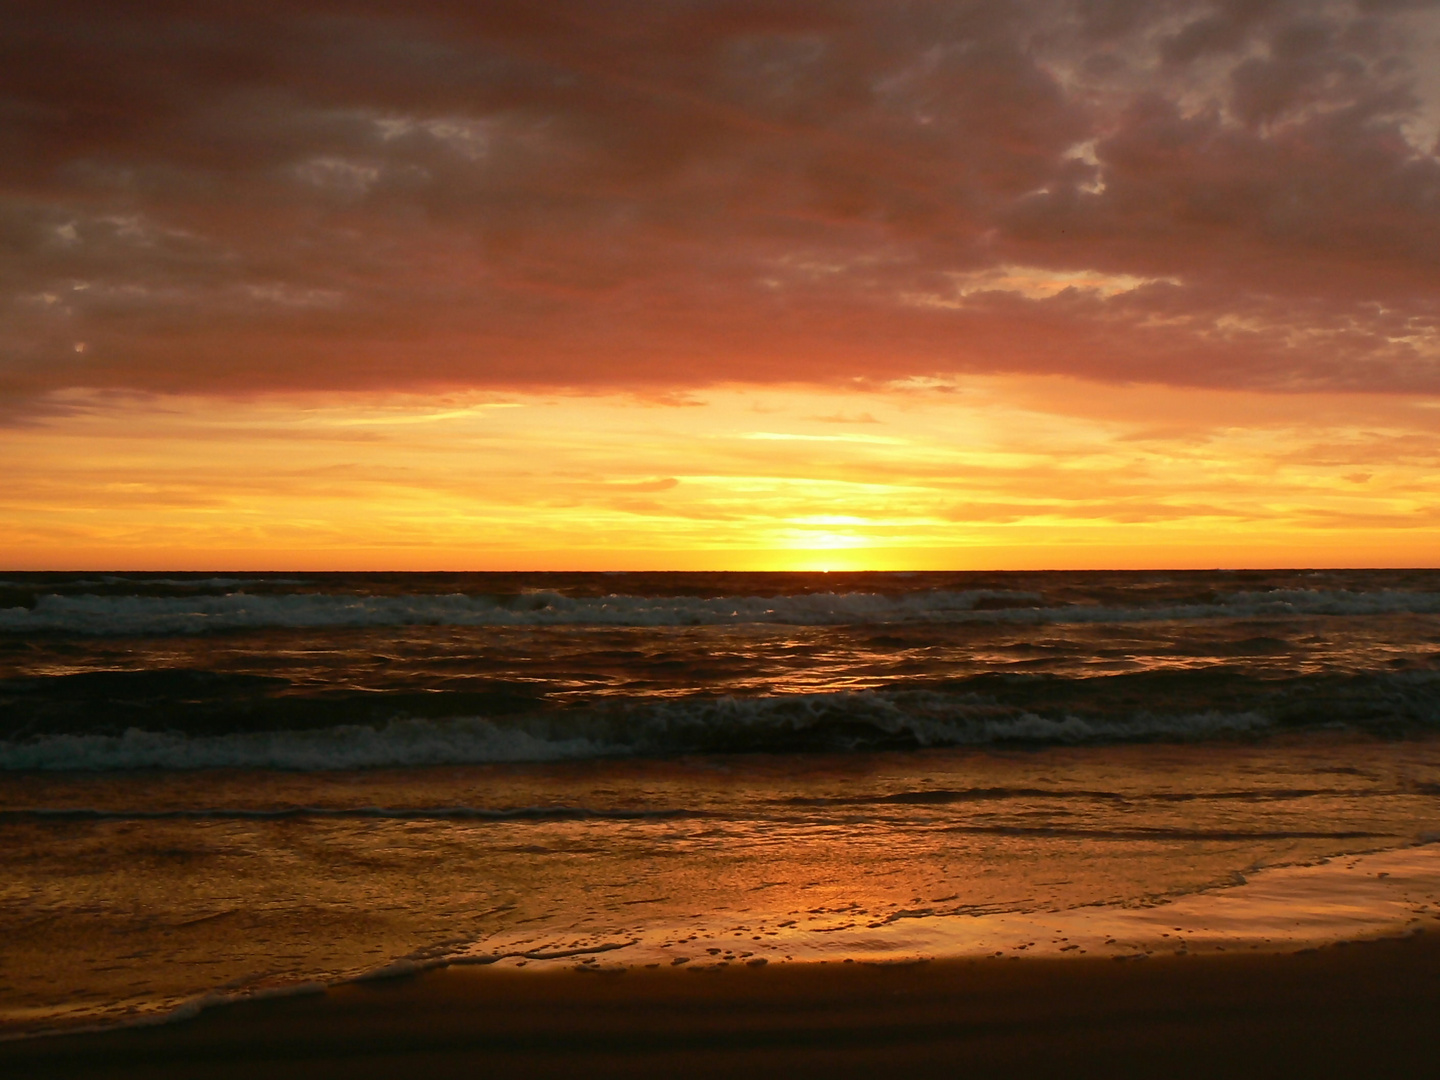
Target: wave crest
(141, 615)
(796, 723)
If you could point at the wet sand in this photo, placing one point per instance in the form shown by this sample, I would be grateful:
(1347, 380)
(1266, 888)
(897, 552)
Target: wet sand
(1357, 1009)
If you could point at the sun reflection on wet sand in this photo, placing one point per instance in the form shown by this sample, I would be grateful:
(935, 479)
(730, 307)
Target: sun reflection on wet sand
(1281, 910)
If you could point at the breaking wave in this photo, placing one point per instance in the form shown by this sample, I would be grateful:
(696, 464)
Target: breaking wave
(794, 723)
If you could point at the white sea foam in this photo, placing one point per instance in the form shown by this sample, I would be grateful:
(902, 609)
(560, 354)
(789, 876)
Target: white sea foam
(91, 614)
(801, 721)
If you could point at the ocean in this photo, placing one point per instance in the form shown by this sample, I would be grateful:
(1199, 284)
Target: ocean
(217, 786)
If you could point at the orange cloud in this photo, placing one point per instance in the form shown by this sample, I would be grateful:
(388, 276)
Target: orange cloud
(649, 197)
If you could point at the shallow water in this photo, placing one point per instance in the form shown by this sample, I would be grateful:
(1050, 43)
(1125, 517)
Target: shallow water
(181, 810)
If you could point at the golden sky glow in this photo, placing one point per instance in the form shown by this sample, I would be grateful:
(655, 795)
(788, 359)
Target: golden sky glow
(631, 283)
(978, 472)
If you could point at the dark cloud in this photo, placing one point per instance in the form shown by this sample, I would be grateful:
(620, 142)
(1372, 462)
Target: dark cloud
(653, 195)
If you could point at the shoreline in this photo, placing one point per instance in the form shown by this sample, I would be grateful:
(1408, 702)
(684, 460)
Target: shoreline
(1356, 897)
(1352, 899)
(1345, 983)
(1361, 1008)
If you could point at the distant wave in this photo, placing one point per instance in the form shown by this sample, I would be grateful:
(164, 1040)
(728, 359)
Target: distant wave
(92, 614)
(794, 723)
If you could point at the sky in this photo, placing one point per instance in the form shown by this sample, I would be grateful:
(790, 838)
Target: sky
(677, 284)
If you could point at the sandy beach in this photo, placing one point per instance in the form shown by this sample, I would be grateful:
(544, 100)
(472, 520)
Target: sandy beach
(1362, 1009)
(1331, 969)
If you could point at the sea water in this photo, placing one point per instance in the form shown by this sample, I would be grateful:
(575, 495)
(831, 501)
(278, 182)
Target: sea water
(217, 786)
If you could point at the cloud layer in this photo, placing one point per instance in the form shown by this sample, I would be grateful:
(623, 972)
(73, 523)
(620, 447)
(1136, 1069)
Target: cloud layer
(628, 195)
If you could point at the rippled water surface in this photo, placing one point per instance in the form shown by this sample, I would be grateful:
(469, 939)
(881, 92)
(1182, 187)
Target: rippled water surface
(227, 783)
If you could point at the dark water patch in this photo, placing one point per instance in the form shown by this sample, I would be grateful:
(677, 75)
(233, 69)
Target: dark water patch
(1250, 646)
(200, 702)
(1377, 702)
(203, 719)
(197, 702)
